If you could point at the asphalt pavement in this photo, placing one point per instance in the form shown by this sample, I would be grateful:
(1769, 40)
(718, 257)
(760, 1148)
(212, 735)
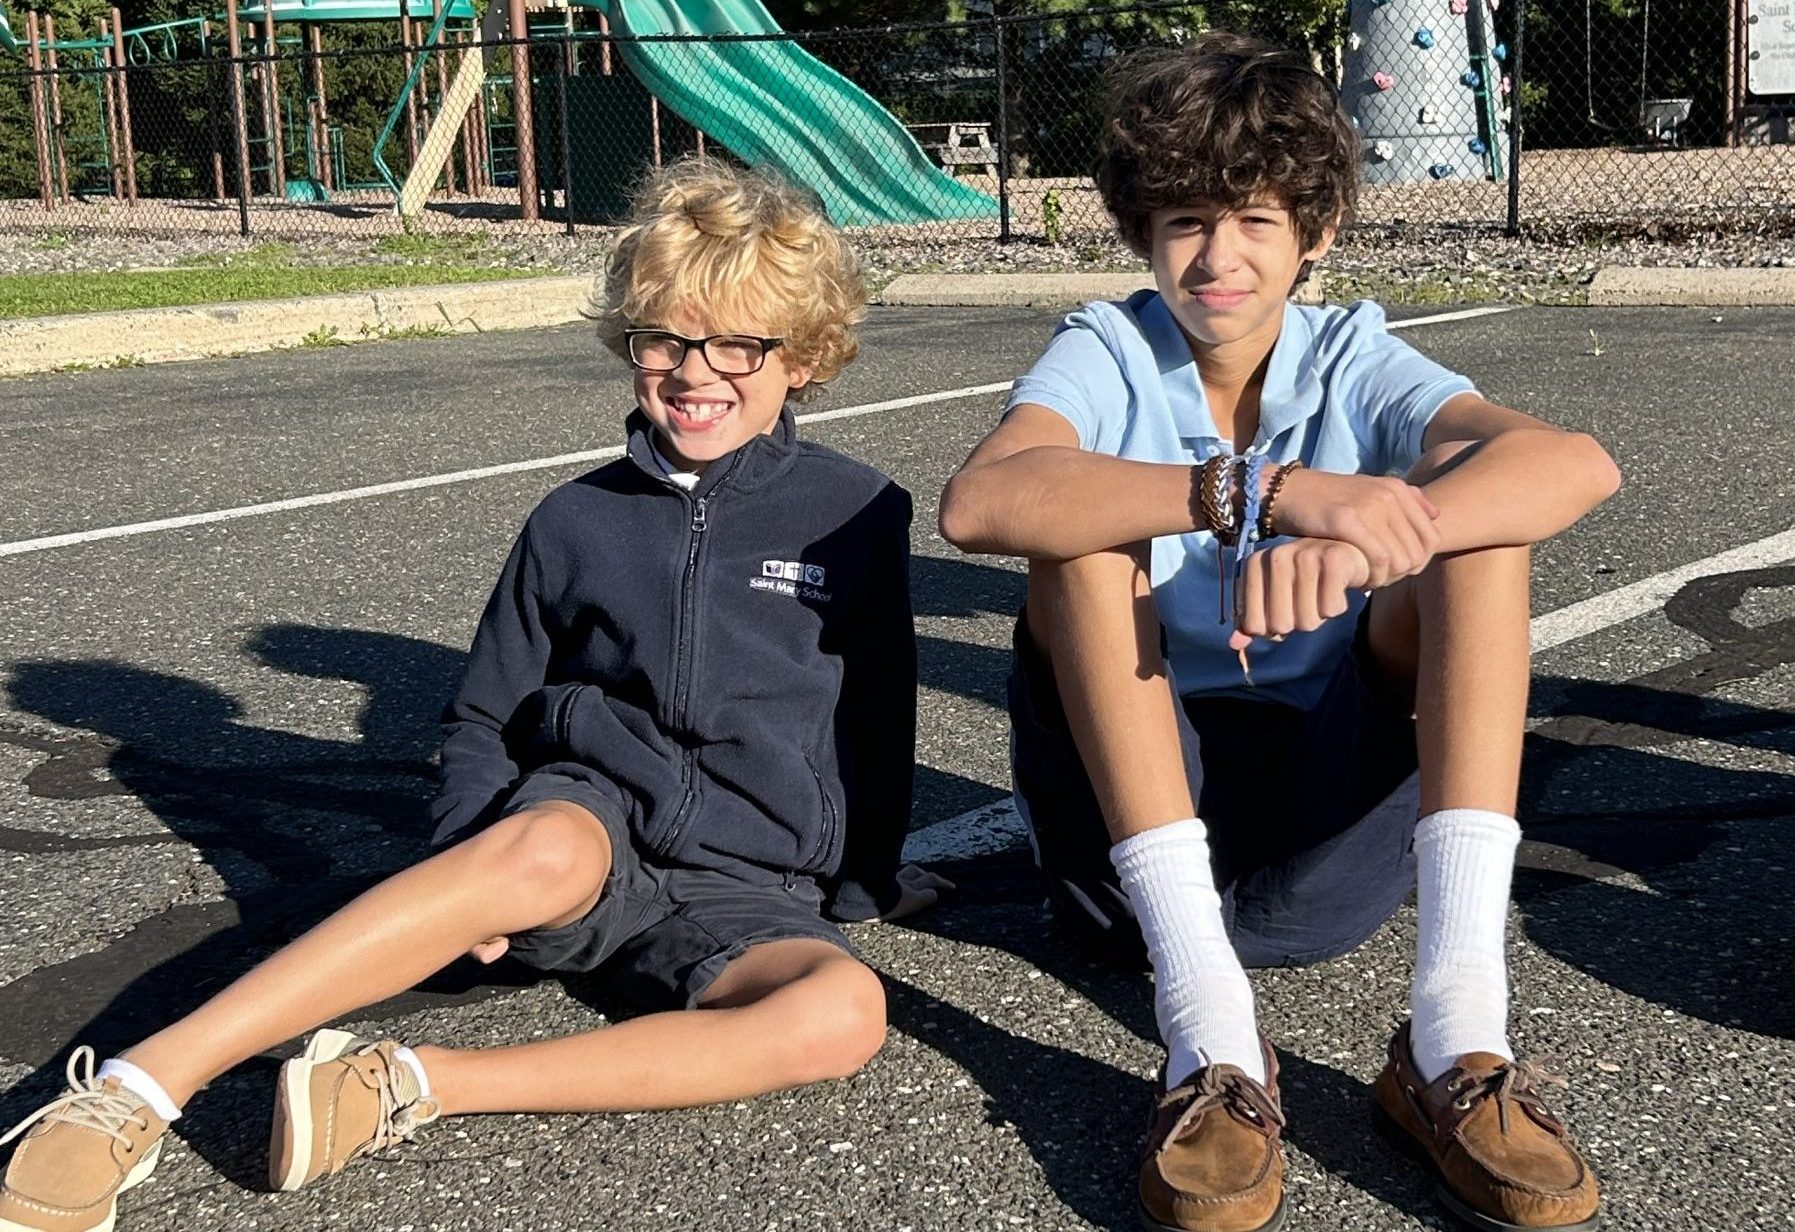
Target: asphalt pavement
(212, 733)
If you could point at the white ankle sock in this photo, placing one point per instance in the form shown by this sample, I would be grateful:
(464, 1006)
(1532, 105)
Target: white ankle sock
(141, 1085)
(1201, 996)
(402, 1053)
(1459, 999)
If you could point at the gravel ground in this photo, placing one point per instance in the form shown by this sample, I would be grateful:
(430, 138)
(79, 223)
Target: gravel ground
(1395, 263)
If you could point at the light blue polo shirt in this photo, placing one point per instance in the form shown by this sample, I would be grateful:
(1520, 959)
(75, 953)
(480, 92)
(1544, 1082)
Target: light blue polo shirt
(1341, 393)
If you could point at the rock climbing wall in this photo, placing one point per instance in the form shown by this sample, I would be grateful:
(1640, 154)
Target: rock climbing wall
(1426, 84)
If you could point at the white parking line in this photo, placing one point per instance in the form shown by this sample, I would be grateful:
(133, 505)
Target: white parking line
(185, 521)
(47, 542)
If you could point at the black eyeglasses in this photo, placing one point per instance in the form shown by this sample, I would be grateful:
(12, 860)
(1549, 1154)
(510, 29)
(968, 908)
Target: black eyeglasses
(660, 350)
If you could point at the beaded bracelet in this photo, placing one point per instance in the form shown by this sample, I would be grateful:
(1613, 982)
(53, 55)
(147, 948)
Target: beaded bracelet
(1264, 522)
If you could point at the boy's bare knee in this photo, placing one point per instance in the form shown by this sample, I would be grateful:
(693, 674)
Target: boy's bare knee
(1118, 578)
(1098, 570)
(556, 854)
(843, 1022)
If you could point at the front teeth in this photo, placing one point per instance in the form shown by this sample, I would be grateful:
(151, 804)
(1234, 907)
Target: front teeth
(700, 412)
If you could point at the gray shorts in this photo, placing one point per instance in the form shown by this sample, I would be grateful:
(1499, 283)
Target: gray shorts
(1311, 814)
(660, 936)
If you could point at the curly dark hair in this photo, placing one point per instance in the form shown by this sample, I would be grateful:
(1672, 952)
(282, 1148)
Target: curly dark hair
(1225, 119)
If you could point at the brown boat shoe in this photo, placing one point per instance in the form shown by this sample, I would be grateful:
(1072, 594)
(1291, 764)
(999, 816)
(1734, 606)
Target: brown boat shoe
(1505, 1163)
(1214, 1160)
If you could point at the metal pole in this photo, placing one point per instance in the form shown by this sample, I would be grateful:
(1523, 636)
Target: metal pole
(123, 94)
(109, 103)
(40, 135)
(523, 114)
(467, 127)
(654, 121)
(1514, 121)
(239, 115)
(326, 168)
(565, 60)
(277, 152)
(442, 92)
(1003, 139)
(58, 150)
(411, 96)
(205, 37)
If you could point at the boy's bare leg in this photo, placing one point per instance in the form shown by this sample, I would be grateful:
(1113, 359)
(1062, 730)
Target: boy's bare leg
(1095, 619)
(784, 1014)
(539, 868)
(1455, 640)
(1454, 643)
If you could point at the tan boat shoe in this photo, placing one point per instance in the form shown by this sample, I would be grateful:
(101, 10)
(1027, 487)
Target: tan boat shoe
(77, 1154)
(342, 1098)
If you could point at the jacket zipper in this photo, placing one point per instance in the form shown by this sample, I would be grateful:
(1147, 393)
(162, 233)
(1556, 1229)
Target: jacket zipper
(563, 719)
(682, 670)
(820, 861)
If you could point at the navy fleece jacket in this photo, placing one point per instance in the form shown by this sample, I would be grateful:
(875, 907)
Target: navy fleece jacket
(730, 671)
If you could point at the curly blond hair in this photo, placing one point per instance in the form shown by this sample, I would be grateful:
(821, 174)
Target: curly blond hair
(732, 244)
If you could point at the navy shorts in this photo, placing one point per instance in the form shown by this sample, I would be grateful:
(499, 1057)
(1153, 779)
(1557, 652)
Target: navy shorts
(660, 936)
(1311, 814)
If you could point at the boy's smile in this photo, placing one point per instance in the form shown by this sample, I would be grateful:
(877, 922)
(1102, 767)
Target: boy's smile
(700, 414)
(1225, 274)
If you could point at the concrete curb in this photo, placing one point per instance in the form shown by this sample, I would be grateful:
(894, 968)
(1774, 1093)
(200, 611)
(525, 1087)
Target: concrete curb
(1618, 286)
(1030, 290)
(154, 335)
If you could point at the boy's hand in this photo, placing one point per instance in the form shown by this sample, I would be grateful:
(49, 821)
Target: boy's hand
(490, 951)
(1390, 522)
(920, 888)
(1294, 587)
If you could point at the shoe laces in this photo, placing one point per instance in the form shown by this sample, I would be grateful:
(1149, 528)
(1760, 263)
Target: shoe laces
(1519, 1082)
(1237, 1093)
(87, 1104)
(398, 1122)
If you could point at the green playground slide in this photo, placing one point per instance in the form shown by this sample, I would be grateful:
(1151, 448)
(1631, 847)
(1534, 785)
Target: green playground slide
(6, 39)
(774, 102)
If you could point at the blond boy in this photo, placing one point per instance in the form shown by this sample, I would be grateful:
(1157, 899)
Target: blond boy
(685, 737)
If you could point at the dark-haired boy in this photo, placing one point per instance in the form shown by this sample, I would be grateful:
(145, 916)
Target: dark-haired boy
(1150, 435)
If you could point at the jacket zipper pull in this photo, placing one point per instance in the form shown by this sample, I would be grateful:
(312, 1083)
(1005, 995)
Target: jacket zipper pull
(698, 516)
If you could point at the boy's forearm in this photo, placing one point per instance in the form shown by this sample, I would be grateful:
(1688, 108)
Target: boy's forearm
(1520, 488)
(1058, 503)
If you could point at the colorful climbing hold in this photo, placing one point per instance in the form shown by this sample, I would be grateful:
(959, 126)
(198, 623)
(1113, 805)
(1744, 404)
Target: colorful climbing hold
(1460, 7)
(1476, 145)
(1382, 81)
(1424, 38)
(1472, 78)
(1440, 171)
(1383, 151)
(1500, 51)
(1506, 85)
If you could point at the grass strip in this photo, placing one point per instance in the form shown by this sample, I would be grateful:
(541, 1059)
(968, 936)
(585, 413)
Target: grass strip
(39, 295)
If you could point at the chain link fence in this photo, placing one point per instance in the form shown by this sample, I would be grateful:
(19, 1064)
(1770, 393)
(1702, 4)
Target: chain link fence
(1482, 113)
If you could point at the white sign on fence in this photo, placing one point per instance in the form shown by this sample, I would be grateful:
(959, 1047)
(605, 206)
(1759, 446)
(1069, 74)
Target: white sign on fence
(1770, 46)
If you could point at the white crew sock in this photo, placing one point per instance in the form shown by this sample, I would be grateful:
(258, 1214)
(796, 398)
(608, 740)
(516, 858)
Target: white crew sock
(1201, 996)
(141, 1085)
(402, 1053)
(1459, 1001)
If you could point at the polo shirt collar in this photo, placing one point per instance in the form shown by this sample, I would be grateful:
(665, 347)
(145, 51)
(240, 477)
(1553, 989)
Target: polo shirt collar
(1290, 396)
